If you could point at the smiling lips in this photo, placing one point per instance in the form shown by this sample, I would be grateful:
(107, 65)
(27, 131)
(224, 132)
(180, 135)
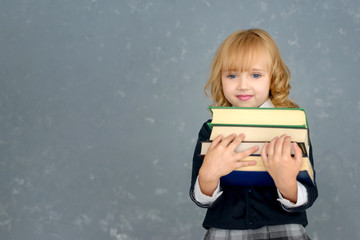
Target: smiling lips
(244, 97)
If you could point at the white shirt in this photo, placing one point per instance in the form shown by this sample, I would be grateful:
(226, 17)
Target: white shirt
(302, 197)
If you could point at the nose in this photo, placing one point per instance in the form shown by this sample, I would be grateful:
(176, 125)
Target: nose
(243, 83)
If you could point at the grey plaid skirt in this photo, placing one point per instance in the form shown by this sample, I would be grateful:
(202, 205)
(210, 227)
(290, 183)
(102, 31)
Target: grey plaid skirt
(279, 232)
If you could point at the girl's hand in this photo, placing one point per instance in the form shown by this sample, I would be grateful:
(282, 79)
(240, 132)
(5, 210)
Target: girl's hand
(220, 160)
(284, 169)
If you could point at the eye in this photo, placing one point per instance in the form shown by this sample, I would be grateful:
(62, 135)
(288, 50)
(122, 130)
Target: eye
(232, 76)
(256, 75)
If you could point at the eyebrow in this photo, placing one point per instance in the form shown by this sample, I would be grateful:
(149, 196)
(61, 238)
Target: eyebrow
(258, 69)
(251, 69)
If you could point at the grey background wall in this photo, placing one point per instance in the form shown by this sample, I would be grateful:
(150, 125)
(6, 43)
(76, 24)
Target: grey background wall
(101, 102)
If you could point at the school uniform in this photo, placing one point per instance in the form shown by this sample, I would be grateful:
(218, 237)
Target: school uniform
(279, 232)
(235, 212)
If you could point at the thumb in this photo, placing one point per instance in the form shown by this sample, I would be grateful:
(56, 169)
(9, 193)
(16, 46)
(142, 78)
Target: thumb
(297, 153)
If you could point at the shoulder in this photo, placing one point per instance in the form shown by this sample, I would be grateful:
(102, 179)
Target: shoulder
(205, 130)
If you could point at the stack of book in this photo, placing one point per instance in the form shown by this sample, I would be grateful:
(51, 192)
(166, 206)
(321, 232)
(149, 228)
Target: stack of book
(260, 125)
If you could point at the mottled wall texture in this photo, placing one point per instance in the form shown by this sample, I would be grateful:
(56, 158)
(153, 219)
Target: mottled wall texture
(101, 102)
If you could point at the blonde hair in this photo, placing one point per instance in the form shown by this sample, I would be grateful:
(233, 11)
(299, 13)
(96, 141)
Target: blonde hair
(236, 52)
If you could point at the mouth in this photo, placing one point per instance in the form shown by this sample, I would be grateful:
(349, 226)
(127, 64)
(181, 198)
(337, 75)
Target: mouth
(244, 97)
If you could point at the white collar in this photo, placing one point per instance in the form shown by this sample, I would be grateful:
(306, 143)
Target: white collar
(267, 104)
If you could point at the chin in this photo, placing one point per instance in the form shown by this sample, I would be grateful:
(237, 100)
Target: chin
(243, 105)
(246, 104)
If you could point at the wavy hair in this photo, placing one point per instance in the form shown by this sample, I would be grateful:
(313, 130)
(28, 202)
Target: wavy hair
(236, 52)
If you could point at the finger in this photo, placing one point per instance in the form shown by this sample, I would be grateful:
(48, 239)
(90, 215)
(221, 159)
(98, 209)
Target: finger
(215, 142)
(237, 141)
(246, 153)
(278, 148)
(240, 164)
(263, 152)
(286, 148)
(271, 146)
(226, 141)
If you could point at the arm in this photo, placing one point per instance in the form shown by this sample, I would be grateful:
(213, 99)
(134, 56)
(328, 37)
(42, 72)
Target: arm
(284, 170)
(281, 166)
(220, 160)
(311, 189)
(302, 198)
(204, 134)
(204, 199)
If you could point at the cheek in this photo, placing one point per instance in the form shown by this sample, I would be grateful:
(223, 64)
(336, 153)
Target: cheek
(226, 91)
(225, 86)
(264, 89)
(267, 86)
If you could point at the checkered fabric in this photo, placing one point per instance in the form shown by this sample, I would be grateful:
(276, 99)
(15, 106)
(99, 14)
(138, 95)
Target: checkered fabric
(278, 232)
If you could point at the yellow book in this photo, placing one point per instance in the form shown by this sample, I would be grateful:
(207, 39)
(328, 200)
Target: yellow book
(263, 134)
(289, 117)
(261, 125)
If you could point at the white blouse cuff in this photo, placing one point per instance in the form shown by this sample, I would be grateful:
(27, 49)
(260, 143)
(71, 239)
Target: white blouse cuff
(302, 197)
(204, 199)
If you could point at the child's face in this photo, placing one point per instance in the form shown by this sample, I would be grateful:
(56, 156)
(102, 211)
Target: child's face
(249, 88)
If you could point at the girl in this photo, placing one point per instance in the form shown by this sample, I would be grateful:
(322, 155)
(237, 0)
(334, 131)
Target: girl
(248, 71)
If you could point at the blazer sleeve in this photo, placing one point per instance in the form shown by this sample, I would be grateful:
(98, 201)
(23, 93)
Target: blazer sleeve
(204, 135)
(312, 189)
